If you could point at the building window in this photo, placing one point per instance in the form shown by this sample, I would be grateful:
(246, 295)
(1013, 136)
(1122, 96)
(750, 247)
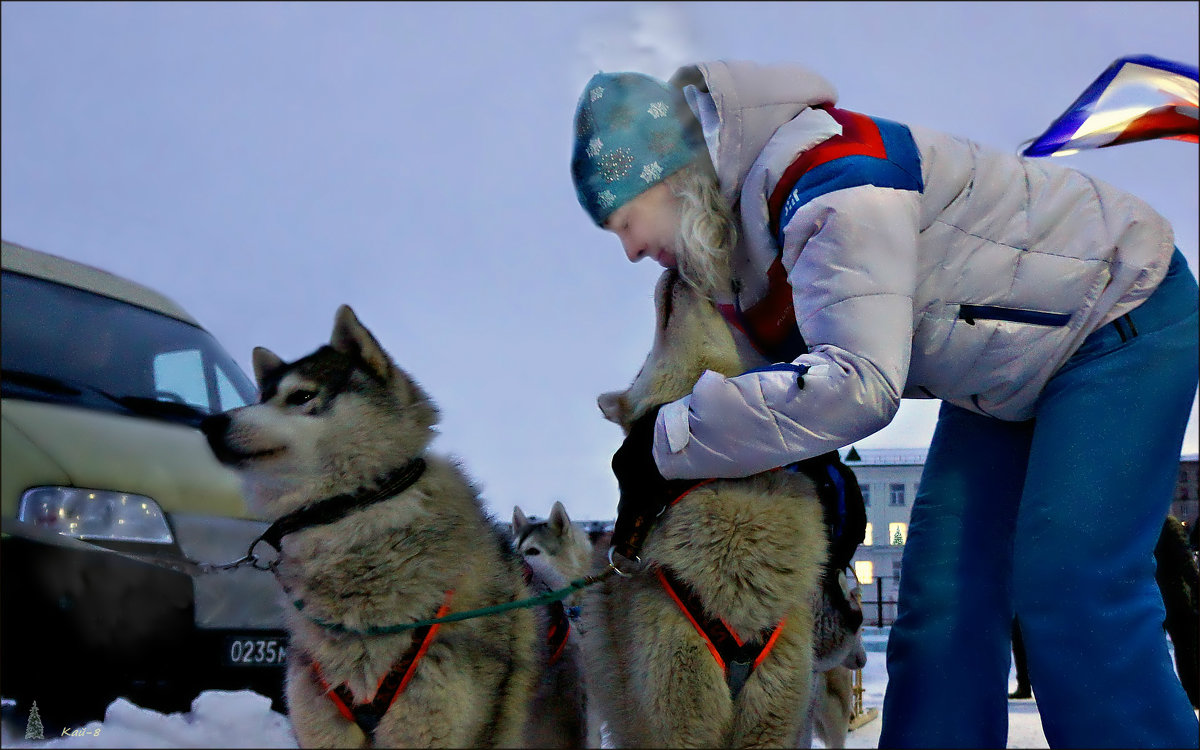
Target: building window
(896, 570)
(864, 571)
(866, 492)
(898, 533)
(896, 494)
(868, 536)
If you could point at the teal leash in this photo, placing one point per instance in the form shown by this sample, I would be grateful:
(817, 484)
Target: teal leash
(547, 598)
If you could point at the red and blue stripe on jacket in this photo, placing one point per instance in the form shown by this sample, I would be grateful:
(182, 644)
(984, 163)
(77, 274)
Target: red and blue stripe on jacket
(869, 151)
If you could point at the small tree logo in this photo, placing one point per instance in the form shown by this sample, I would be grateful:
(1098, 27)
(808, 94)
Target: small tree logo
(33, 727)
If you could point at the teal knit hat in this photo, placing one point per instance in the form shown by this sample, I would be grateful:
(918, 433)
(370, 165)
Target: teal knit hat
(631, 132)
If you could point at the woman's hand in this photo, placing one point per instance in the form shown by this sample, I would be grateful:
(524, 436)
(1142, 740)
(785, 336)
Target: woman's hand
(645, 493)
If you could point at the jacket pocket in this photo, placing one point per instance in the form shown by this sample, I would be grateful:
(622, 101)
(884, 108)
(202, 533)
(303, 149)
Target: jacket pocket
(972, 313)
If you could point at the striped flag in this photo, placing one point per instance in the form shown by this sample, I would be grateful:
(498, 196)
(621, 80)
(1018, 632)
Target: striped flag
(1138, 98)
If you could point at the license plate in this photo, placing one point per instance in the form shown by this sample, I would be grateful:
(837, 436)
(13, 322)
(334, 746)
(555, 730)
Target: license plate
(252, 651)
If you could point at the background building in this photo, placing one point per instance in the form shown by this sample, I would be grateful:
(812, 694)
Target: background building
(888, 478)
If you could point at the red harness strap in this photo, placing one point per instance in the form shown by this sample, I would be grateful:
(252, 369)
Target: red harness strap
(559, 629)
(368, 715)
(737, 657)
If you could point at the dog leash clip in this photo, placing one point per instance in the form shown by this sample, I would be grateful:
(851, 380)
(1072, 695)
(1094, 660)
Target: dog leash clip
(257, 563)
(612, 563)
(207, 568)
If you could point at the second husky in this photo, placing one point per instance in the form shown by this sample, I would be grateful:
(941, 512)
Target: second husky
(711, 643)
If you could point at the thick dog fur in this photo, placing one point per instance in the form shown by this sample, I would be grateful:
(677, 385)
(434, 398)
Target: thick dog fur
(753, 549)
(330, 423)
(558, 552)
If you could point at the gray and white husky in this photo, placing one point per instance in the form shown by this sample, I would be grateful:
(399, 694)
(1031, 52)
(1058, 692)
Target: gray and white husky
(558, 552)
(750, 551)
(379, 533)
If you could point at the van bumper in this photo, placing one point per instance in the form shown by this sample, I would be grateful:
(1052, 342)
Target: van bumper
(82, 627)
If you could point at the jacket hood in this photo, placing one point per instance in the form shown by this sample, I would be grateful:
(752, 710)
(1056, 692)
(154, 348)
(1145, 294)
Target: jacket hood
(752, 102)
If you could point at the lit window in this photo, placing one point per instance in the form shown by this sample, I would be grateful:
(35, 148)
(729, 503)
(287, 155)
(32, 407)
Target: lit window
(898, 533)
(896, 494)
(868, 536)
(864, 571)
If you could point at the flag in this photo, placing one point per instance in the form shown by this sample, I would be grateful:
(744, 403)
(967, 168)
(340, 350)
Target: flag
(1138, 98)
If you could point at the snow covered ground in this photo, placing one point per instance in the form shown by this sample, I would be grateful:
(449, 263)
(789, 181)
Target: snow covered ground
(244, 719)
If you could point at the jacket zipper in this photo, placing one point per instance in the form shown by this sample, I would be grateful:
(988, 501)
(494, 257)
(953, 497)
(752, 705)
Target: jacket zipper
(971, 313)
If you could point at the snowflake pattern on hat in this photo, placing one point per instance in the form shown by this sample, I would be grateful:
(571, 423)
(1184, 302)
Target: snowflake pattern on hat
(657, 110)
(651, 172)
(615, 164)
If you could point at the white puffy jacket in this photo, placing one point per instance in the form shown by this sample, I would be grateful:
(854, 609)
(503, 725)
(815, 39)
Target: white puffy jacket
(897, 291)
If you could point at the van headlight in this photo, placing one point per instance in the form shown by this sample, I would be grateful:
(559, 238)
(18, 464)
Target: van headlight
(95, 514)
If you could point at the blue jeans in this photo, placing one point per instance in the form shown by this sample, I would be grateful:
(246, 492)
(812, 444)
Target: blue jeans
(1054, 519)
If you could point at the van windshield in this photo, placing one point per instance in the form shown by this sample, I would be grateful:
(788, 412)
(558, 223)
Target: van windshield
(66, 345)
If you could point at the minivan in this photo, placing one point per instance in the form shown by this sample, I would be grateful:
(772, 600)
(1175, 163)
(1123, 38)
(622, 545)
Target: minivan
(110, 495)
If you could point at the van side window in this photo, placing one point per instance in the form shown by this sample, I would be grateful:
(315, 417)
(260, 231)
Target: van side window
(178, 376)
(230, 398)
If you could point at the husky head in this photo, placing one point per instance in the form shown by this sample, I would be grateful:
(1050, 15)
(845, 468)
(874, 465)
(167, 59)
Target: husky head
(331, 422)
(835, 642)
(690, 336)
(556, 549)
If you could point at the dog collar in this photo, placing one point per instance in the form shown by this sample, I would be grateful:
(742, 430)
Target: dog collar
(339, 506)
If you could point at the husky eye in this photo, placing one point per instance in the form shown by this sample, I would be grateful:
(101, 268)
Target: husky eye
(532, 551)
(296, 398)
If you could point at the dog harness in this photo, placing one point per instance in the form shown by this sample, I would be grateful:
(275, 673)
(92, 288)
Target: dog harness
(845, 522)
(368, 715)
(737, 657)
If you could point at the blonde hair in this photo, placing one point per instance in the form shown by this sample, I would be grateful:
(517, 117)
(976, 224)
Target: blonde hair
(707, 229)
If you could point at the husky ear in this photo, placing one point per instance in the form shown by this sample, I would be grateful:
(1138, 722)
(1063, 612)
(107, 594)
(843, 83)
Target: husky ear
(266, 364)
(559, 519)
(519, 521)
(351, 338)
(614, 406)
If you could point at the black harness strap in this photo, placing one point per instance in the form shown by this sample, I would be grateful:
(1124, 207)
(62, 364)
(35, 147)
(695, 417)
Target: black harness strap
(736, 657)
(338, 507)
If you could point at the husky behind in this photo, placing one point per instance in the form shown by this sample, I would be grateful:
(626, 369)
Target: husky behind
(837, 652)
(748, 553)
(345, 428)
(558, 552)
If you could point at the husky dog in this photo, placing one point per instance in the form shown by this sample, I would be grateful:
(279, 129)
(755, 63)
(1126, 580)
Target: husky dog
(558, 552)
(837, 652)
(833, 705)
(750, 551)
(377, 533)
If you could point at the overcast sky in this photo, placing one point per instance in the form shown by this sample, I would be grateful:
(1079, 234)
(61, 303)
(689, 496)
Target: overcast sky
(263, 163)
